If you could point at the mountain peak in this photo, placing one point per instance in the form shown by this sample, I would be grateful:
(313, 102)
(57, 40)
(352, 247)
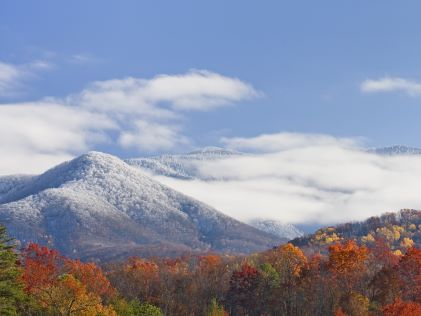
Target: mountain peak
(96, 158)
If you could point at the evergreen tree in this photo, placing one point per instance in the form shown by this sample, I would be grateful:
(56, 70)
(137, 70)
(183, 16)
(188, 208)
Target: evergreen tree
(11, 288)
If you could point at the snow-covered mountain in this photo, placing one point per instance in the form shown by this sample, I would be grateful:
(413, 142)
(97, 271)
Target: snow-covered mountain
(280, 229)
(396, 150)
(98, 206)
(183, 166)
(187, 167)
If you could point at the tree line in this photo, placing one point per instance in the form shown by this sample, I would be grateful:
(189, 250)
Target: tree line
(347, 278)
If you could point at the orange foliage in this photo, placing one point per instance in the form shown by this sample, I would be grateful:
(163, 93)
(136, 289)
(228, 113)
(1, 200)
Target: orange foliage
(340, 312)
(348, 280)
(209, 261)
(347, 258)
(90, 275)
(42, 266)
(288, 260)
(409, 269)
(62, 285)
(401, 308)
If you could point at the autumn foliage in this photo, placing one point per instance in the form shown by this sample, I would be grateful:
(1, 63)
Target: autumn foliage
(344, 278)
(63, 286)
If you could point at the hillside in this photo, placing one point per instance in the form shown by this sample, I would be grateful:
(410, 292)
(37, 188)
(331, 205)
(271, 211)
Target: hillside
(400, 230)
(97, 205)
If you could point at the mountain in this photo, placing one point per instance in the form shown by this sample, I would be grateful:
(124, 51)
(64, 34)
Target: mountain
(97, 206)
(396, 150)
(274, 227)
(400, 230)
(182, 166)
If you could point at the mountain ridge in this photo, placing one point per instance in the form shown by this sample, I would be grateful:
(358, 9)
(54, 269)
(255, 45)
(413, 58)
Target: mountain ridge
(97, 202)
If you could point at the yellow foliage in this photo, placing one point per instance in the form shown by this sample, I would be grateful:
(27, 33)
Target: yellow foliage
(412, 227)
(407, 242)
(70, 297)
(390, 233)
(368, 239)
(398, 253)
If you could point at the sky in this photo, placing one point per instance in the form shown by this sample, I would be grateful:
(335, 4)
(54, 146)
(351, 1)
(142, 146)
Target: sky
(140, 78)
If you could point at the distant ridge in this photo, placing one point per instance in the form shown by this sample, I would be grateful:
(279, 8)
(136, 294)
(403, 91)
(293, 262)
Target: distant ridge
(181, 166)
(396, 150)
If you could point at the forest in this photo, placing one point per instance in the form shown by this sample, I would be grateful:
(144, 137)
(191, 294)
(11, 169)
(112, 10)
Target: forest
(377, 273)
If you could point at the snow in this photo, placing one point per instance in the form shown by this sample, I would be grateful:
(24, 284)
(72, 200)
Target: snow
(184, 166)
(277, 228)
(98, 199)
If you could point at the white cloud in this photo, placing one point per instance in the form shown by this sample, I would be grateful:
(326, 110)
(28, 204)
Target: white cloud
(197, 90)
(33, 135)
(391, 84)
(12, 77)
(320, 179)
(193, 91)
(152, 136)
(141, 113)
(282, 141)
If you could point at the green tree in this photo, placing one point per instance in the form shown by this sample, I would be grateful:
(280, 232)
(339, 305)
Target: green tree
(11, 287)
(215, 309)
(135, 308)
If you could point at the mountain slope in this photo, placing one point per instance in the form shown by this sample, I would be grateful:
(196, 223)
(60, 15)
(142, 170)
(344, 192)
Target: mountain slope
(97, 205)
(277, 228)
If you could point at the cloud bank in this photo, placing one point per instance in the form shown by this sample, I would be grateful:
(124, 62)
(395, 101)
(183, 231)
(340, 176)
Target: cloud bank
(142, 114)
(306, 178)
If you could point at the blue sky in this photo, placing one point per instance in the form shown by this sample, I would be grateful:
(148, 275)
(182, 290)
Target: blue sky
(305, 63)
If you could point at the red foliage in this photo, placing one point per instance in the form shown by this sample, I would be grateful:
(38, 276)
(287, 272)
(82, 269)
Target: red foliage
(242, 287)
(409, 270)
(42, 266)
(340, 312)
(91, 276)
(383, 255)
(209, 262)
(401, 308)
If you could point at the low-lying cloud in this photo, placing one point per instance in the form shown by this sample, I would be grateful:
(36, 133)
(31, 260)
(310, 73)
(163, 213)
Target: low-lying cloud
(302, 178)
